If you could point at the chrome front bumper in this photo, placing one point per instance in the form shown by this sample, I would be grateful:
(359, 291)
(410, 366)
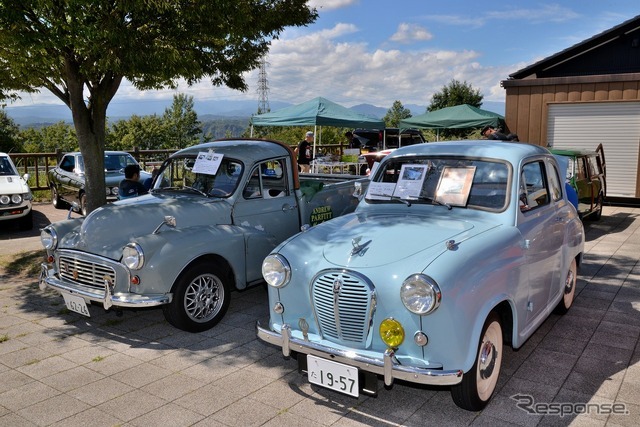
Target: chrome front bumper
(388, 366)
(107, 297)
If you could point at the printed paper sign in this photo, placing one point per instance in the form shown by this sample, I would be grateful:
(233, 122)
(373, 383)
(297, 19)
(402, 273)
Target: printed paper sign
(411, 179)
(455, 184)
(380, 190)
(207, 163)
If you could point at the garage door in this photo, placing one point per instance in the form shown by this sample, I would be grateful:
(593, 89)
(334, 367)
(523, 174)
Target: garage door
(614, 124)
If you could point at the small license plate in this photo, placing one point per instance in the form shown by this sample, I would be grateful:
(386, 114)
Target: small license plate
(76, 304)
(333, 375)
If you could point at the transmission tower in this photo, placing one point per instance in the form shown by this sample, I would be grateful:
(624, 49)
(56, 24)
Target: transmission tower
(263, 88)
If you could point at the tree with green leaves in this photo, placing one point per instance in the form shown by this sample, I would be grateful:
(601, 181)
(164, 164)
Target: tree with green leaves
(396, 113)
(182, 127)
(9, 141)
(144, 132)
(47, 139)
(452, 94)
(82, 50)
(455, 93)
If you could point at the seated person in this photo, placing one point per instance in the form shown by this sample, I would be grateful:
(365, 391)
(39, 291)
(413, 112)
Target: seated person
(130, 186)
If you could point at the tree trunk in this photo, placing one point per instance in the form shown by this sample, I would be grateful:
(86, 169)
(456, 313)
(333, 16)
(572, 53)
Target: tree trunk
(89, 120)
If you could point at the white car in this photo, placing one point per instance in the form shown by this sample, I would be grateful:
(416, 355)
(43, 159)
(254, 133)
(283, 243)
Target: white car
(15, 195)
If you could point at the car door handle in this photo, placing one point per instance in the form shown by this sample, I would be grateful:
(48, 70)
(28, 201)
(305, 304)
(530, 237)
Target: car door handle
(288, 207)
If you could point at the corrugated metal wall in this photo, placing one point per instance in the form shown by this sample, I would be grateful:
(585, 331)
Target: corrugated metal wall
(614, 124)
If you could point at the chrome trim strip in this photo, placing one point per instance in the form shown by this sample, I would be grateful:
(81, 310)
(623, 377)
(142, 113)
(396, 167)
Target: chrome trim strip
(388, 366)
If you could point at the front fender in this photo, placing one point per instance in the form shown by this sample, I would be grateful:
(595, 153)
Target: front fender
(472, 285)
(169, 252)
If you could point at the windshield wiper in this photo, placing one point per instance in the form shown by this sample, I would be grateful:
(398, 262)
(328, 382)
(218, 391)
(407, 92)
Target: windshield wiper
(435, 202)
(196, 190)
(391, 197)
(179, 188)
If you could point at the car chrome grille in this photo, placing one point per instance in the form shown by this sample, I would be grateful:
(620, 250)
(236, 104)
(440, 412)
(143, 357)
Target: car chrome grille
(84, 272)
(343, 304)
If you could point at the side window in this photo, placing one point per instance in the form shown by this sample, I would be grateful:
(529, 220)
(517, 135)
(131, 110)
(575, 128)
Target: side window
(554, 184)
(581, 173)
(267, 180)
(67, 164)
(533, 186)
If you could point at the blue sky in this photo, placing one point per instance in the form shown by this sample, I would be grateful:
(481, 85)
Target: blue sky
(378, 51)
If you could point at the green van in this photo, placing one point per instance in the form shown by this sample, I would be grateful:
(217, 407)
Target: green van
(587, 172)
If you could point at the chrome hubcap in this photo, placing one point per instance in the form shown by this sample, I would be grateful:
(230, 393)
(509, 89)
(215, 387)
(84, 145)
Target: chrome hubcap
(487, 360)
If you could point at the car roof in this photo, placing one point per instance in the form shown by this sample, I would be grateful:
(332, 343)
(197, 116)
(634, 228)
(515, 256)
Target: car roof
(249, 150)
(510, 151)
(572, 152)
(76, 153)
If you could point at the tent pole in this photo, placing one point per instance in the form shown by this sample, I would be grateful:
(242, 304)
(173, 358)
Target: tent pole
(315, 139)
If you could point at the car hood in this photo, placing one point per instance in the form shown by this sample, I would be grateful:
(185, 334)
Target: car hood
(373, 240)
(106, 230)
(12, 184)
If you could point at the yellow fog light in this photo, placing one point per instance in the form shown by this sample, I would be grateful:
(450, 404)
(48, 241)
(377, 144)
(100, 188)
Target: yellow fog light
(391, 332)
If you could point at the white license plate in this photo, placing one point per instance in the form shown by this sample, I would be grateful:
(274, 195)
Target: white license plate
(333, 375)
(76, 304)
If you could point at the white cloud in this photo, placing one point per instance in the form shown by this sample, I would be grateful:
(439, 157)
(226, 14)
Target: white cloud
(349, 73)
(331, 4)
(408, 33)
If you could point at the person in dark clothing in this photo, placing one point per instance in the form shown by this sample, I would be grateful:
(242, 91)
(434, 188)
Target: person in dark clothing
(490, 132)
(304, 152)
(352, 141)
(130, 186)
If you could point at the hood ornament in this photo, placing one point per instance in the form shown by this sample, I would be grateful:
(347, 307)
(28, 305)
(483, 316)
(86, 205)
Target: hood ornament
(359, 249)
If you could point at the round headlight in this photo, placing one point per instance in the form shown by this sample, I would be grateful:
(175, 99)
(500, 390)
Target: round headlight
(391, 332)
(132, 256)
(114, 191)
(276, 270)
(4, 200)
(16, 198)
(420, 294)
(49, 238)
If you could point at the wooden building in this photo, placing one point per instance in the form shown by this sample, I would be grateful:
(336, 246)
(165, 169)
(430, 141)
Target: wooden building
(582, 96)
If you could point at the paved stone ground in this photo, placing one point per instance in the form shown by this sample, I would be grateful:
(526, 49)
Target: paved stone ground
(58, 368)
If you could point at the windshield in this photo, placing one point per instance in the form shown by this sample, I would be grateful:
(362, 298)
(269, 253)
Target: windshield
(6, 168)
(217, 177)
(117, 162)
(450, 181)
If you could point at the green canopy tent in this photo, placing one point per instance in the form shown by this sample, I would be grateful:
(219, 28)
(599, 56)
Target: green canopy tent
(317, 112)
(458, 117)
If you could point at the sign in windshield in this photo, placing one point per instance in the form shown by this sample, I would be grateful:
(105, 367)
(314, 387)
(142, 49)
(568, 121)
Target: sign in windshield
(449, 181)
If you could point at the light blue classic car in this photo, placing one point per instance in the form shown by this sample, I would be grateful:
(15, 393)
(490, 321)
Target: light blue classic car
(457, 249)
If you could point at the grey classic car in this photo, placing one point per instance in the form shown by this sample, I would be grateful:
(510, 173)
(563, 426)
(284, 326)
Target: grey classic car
(215, 211)
(457, 249)
(66, 180)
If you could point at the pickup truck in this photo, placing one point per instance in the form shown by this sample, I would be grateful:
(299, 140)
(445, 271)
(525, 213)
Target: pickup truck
(213, 213)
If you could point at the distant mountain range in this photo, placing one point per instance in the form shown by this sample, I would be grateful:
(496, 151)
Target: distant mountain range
(44, 114)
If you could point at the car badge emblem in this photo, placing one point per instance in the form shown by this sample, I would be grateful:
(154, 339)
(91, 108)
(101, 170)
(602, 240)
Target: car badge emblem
(337, 285)
(304, 327)
(359, 249)
(75, 274)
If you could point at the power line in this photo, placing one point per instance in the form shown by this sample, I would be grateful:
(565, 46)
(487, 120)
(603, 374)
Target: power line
(263, 88)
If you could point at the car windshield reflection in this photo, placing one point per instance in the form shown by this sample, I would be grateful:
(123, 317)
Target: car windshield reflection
(208, 179)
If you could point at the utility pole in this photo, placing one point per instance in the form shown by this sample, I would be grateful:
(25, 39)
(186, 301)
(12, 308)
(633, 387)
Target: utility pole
(263, 88)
